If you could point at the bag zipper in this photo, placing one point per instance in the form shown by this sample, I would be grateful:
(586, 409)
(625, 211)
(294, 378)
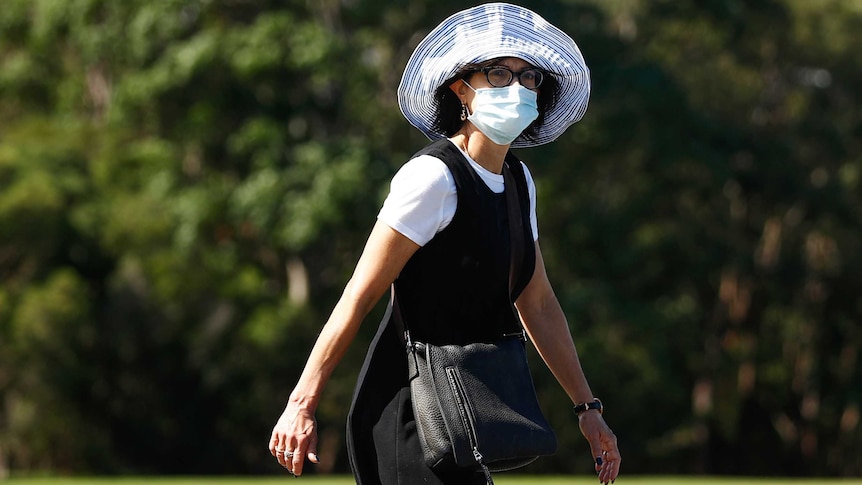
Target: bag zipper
(467, 419)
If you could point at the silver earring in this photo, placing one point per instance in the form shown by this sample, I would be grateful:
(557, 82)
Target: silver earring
(463, 111)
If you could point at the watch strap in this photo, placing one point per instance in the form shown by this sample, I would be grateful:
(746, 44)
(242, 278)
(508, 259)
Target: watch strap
(589, 405)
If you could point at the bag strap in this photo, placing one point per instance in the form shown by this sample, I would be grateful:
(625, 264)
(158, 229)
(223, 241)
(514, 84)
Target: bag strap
(516, 233)
(403, 331)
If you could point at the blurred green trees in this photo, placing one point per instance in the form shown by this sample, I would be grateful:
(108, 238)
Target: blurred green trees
(186, 185)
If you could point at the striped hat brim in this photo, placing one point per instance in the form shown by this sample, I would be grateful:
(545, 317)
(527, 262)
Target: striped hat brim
(492, 31)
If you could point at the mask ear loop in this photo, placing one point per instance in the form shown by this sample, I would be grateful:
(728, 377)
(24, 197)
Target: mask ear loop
(464, 110)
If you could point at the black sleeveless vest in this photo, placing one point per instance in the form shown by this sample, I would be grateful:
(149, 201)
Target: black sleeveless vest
(455, 289)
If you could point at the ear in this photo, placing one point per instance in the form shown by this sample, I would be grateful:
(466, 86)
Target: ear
(459, 88)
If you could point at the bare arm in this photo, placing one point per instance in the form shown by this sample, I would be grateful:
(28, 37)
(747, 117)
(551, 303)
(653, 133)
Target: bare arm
(548, 329)
(385, 254)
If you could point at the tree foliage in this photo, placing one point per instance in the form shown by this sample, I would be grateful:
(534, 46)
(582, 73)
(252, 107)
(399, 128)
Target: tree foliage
(186, 185)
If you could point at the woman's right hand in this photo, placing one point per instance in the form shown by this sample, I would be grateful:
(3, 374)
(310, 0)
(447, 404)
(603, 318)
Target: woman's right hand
(294, 438)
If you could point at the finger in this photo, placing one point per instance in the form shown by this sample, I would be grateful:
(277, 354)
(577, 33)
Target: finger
(609, 472)
(611, 467)
(615, 471)
(604, 471)
(312, 450)
(277, 450)
(283, 453)
(273, 444)
(282, 456)
(596, 450)
(297, 460)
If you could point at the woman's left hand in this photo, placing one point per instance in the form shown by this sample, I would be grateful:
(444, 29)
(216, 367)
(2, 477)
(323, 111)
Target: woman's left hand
(603, 444)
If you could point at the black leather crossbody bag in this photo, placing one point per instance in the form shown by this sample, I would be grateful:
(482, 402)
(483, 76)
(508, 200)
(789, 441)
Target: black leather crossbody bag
(475, 405)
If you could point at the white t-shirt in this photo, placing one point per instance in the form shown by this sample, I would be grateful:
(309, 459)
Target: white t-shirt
(422, 197)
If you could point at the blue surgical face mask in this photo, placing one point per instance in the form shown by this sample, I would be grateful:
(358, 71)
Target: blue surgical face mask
(503, 113)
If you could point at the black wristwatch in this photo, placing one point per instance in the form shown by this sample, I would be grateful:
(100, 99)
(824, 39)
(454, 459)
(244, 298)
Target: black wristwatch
(586, 406)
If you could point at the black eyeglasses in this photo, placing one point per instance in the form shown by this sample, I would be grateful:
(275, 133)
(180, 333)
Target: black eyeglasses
(501, 76)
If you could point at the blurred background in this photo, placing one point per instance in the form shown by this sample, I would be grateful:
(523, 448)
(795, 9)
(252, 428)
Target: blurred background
(185, 186)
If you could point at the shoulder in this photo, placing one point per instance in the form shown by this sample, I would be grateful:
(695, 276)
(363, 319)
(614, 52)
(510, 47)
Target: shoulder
(423, 171)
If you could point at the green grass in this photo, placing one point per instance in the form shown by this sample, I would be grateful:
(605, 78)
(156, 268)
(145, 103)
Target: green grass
(347, 480)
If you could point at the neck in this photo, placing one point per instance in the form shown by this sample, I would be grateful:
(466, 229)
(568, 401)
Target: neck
(485, 152)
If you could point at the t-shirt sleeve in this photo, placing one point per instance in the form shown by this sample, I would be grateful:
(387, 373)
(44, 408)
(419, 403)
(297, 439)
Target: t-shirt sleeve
(531, 189)
(419, 195)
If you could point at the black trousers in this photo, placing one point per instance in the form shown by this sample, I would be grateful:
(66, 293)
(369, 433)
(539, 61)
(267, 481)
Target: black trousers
(399, 453)
(382, 443)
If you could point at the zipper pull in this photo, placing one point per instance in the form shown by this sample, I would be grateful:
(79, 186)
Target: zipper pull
(522, 335)
(478, 456)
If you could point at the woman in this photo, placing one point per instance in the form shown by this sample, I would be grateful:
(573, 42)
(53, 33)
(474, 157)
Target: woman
(487, 79)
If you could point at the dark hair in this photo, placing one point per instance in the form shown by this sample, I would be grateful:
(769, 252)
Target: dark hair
(448, 120)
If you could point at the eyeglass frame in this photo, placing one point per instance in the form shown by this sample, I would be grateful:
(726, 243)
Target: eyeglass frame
(541, 75)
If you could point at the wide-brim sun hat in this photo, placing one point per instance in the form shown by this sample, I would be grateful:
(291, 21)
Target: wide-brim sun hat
(492, 31)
